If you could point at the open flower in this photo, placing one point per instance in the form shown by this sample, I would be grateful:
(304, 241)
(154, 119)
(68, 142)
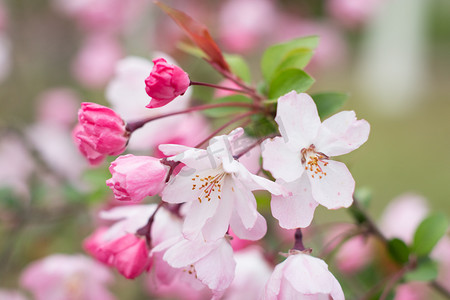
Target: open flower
(300, 159)
(302, 276)
(217, 190)
(100, 132)
(165, 83)
(136, 177)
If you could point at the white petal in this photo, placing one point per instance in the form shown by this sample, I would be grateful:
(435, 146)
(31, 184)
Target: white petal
(341, 134)
(273, 286)
(123, 212)
(297, 119)
(244, 203)
(196, 159)
(335, 189)
(281, 160)
(188, 252)
(179, 190)
(216, 270)
(173, 149)
(296, 209)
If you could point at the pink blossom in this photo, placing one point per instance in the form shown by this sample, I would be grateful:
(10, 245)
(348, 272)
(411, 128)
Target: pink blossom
(244, 23)
(100, 132)
(165, 83)
(211, 263)
(412, 291)
(252, 274)
(300, 159)
(402, 216)
(136, 177)
(11, 295)
(217, 190)
(440, 254)
(61, 276)
(58, 106)
(353, 12)
(94, 64)
(302, 276)
(126, 93)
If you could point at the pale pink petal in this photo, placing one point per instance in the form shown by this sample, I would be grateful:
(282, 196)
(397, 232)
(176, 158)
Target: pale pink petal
(254, 182)
(298, 119)
(196, 159)
(255, 233)
(335, 189)
(281, 160)
(173, 149)
(188, 252)
(216, 270)
(336, 292)
(217, 226)
(295, 210)
(244, 203)
(274, 284)
(341, 134)
(199, 213)
(314, 278)
(179, 190)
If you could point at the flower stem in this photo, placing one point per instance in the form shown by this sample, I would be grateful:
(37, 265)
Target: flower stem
(298, 244)
(147, 228)
(132, 126)
(241, 91)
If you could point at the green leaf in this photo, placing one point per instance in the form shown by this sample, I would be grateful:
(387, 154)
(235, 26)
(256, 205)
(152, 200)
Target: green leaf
(238, 66)
(296, 59)
(225, 111)
(192, 50)
(261, 126)
(398, 250)
(364, 196)
(329, 103)
(276, 54)
(429, 232)
(289, 80)
(426, 270)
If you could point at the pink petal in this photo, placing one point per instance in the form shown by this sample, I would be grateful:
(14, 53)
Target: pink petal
(297, 119)
(334, 190)
(188, 252)
(296, 209)
(256, 232)
(273, 286)
(244, 203)
(341, 134)
(281, 160)
(179, 190)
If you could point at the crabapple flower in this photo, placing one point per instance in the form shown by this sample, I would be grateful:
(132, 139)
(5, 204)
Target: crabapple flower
(211, 263)
(136, 177)
(217, 190)
(165, 83)
(100, 132)
(62, 276)
(300, 159)
(302, 276)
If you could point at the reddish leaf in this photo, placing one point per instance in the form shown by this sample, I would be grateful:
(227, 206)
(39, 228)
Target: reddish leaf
(199, 35)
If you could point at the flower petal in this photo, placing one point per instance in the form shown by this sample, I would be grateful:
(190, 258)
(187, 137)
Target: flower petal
(244, 203)
(281, 160)
(256, 232)
(296, 209)
(298, 119)
(341, 134)
(273, 286)
(335, 189)
(187, 252)
(179, 190)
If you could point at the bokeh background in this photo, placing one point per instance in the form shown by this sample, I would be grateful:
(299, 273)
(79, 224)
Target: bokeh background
(391, 56)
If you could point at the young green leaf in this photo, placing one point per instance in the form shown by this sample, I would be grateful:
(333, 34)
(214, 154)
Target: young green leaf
(398, 250)
(276, 54)
(261, 126)
(429, 232)
(297, 58)
(238, 67)
(329, 103)
(426, 270)
(289, 80)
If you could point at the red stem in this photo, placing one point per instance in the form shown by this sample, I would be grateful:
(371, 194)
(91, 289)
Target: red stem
(132, 126)
(220, 87)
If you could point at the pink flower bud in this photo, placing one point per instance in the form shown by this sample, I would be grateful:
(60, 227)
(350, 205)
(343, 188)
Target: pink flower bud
(100, 132)
(165, 83)
(136, 177)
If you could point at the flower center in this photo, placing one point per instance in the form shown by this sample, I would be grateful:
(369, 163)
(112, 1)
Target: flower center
(314, 161)
(209, 186)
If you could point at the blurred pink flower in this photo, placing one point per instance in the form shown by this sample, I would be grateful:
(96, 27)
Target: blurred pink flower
(244, 23)
(302, 276)
(354, 254)
(352, 13)
(102, 15)
(300, 159)
(136, 177)
(251, 276)
(219, 93)
(402, 216)
(5, 56)
(165, 83)
(412, 291)
(16, 164)
(58, 106)
(11, 295)
(441, 255)
(100, 132)
(126, 93)
(62, 276)
(94, 64)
